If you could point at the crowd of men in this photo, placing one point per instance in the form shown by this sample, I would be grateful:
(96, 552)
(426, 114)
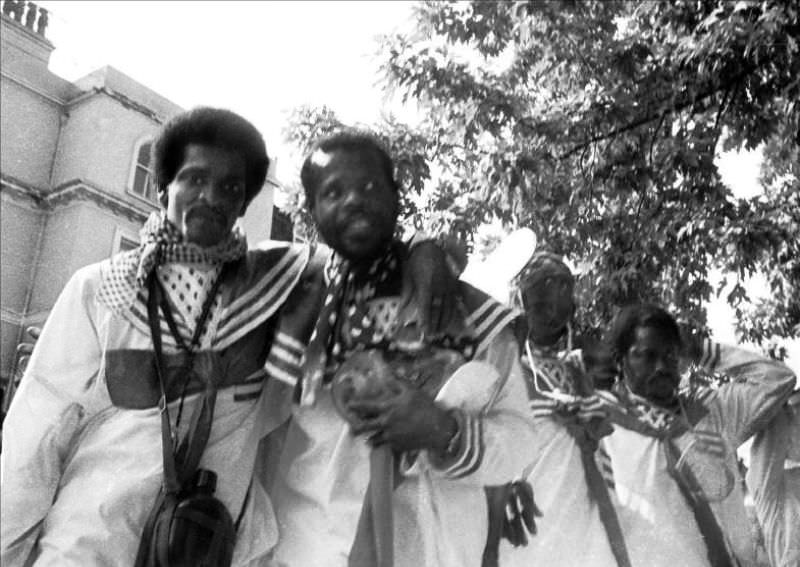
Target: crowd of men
(196, 401)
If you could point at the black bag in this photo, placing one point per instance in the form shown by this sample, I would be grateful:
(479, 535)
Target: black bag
(192, 528)
(188, 526)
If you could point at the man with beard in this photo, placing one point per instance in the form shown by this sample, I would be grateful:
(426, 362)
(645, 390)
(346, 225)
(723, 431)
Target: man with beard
(385, 457)
(152, 370)
(579, 525)
(82, 462)
(673, 451)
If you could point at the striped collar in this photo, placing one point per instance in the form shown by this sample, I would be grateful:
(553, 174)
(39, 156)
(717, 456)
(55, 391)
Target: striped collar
(253, 291)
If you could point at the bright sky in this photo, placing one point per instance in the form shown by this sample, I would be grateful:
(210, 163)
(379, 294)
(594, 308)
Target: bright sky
(261, 59)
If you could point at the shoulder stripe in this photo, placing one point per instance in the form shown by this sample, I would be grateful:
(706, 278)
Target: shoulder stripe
(273, 294)
(272, 277)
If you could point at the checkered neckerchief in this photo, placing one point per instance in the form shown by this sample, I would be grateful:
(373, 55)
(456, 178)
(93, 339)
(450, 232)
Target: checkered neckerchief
(161, 241)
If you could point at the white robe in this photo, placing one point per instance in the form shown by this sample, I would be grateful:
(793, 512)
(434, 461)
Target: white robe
(659, 526)
(570, 531)
(440, 516)
(79, 475)
(776, 491)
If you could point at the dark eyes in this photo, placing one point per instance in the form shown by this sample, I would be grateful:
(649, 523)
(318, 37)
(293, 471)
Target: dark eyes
(197, 179)
(331, 191)
(200, 179)
(234, 187)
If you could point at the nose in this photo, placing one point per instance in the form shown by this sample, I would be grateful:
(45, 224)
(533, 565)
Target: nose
(212, 192)
(356, 195)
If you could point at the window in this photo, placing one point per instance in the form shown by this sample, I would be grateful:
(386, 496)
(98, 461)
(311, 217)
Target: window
(123, 241)
(126, 244)
(142, 177)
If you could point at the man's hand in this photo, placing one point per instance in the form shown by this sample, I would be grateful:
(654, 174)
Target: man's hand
(301, 309)
(520, 511)
(429, 280)
(407, 421)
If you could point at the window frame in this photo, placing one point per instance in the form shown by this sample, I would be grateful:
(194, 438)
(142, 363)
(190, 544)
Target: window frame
(136, 166)
(121, 235)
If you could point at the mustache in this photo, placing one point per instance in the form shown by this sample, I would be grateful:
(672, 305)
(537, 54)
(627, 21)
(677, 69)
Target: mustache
(206, 209)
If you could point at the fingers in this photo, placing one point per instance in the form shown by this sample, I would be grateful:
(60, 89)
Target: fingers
(367, 426)
(514, 528)
(370, 408)
(377, 439)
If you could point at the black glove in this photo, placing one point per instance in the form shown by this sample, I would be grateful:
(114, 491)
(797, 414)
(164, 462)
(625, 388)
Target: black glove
(520, 511)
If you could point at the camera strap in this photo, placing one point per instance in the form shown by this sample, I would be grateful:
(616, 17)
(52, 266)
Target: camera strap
(193, 446)
(713, 537)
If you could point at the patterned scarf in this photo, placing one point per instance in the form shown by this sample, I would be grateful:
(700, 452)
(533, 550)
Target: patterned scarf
(639, 414)
(161, 242)
(345, 323)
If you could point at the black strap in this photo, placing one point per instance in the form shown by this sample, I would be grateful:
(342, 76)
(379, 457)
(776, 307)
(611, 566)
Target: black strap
(201, 321)
(605, 507)
(171, 484)
(200, 427)
(714, 539)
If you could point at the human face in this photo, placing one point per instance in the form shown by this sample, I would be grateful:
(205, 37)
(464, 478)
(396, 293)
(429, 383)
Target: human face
(548, 308)
(651, 365)
(355, 205)
(207, 194)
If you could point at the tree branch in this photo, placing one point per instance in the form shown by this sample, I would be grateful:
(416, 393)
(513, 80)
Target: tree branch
(685, 101)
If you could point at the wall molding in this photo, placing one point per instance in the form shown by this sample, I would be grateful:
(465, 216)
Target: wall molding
(70, 191)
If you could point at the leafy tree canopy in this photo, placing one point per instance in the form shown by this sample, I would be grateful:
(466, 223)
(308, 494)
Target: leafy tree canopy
(596, 124)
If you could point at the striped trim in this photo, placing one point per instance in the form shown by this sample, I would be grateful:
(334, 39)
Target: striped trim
(261, 308)
(255, 292)
(248, 392)
(137, 316)
(604, 464)
(711, 354)
(488, 320)
(284, 360)
(470, 455)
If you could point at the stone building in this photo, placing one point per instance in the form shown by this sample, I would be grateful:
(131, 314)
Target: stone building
(74, 172)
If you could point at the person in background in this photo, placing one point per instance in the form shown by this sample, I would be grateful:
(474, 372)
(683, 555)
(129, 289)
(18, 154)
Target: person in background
(774, 481)
(673, 452)
(579, 524)
(374, 385)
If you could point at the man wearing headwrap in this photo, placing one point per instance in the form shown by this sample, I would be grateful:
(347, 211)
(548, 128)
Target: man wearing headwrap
(579, 524)
(673, 451)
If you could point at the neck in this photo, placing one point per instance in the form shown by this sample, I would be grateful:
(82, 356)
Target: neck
(548, 343)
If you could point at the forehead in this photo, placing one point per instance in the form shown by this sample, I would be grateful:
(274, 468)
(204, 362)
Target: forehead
(655, 338)
(547, 280)
(342, 162)
(218, 160)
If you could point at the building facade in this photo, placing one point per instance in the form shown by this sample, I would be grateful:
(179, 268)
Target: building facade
(74, 173)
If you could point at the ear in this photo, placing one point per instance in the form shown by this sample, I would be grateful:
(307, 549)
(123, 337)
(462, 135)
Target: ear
(163, 197)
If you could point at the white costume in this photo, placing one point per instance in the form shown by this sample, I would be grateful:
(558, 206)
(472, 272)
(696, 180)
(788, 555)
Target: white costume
(82, 456)
(776, 490)
(659, 524)
(440, 512)
(570, 531)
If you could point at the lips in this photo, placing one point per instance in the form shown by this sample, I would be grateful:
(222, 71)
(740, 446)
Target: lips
(205, 213)
(359, 224)
(661, 384)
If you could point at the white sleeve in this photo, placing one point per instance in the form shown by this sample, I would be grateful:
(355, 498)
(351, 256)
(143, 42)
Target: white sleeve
(45, 415)
(777, 509)
(496, 442)
(756, 389)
